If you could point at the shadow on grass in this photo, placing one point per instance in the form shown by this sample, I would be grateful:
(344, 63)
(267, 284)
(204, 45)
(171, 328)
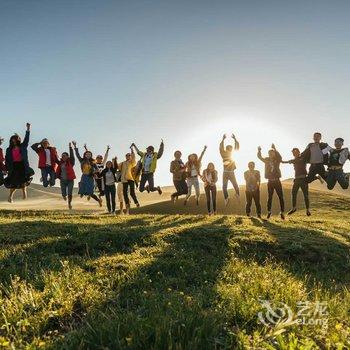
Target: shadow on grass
(305, 252)
(32, 247)
(169, 303)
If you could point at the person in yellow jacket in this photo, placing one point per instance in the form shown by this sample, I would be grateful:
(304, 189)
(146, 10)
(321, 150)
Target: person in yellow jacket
(127, 180)
(148, 167)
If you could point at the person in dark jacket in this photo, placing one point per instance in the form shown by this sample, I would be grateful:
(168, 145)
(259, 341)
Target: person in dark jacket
(316, 153)
(2, 163)
(19, 173)
(65, 173)
(300, 181)
(178, 169)
(48, 160)
(109, 175)
(252, 189)
(337, 158)
(273, 175)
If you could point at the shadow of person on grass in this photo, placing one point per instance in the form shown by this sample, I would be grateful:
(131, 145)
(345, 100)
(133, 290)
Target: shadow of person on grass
(307, 253)
(170, 302)
(33, 247)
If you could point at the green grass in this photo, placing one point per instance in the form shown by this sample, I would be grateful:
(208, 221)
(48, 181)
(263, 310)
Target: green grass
(170, 282)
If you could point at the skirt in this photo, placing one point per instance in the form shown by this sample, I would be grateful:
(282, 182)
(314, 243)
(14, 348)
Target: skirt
(18, 177)
(86, 185)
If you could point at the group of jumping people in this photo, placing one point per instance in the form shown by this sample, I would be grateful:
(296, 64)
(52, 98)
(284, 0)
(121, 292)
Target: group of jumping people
(111, 179)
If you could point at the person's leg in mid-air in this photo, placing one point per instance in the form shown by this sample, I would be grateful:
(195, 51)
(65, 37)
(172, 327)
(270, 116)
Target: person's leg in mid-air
(224, 186)
(113, 193)
(189, 189)
(295, 189)
(44, 175)
(143, 181)
(197, 189)
(305, 189)
(343, 179)
(232, 178)
(52, 175)
(132, 192)
(331, 179)
(279, 191)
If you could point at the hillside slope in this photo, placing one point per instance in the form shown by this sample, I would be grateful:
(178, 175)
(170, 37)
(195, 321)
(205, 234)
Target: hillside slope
(173, 281)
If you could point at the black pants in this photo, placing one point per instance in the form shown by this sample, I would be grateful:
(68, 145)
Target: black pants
(250, 195)
(99, 183)
(210, 192)
(110, 192)
(147, 177)
(316, 169)
(181, 188)
(274, 185)
(303, 184)
(126, 185)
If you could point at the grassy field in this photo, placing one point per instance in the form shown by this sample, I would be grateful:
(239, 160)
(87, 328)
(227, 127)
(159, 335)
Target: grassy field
(172, 281)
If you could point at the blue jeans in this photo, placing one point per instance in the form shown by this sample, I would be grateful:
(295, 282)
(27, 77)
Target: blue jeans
(48, 175)
(67, 188)
(337, 175)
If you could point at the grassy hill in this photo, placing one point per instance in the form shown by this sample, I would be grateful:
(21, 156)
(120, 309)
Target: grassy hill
(173, 281)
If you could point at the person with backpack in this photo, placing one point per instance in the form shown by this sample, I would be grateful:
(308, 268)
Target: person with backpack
(66, 174)
(273, 175)
(148, 167)
(48, 160)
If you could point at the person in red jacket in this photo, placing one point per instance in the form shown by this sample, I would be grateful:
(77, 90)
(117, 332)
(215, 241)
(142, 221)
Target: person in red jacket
(65, 173)
(47, 161)
(2, 163)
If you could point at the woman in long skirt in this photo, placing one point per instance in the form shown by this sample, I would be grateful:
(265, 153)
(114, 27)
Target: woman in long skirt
(20, 174)
(88, 169)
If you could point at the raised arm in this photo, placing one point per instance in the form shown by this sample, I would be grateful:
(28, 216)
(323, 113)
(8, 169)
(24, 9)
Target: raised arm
(222, 145)
(25, 142)
(35, 147)
(77, 151)
(71, 155)
(202, 154)
(106, 156)
(161, 150)
(260, 156)
(137, 150)
(236, 142)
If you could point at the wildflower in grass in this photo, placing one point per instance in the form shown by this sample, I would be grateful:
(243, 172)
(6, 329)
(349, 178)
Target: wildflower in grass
(182, 293)
(169, 289)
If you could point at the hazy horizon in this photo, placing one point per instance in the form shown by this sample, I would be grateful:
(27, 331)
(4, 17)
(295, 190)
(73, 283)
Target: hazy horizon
(114, 72)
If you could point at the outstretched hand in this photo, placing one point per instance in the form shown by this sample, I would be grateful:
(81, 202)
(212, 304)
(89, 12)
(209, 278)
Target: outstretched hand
(74, 143)
(205, 147)
(273, 146)
(28, 126)
(108, 147)
(70, 144)
(223, 136)
(233, 136)
(259, 148)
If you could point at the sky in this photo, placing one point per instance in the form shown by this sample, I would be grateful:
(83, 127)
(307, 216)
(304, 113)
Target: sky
(115, 72)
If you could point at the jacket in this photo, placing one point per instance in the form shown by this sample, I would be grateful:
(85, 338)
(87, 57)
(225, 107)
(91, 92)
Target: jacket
(177, 168)
(272, 166)
(36, 147)
(24, 154)
(306, 154)
(229, 164)
(214, 178)
(126, 169)
(155, 157)
(69, 167)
